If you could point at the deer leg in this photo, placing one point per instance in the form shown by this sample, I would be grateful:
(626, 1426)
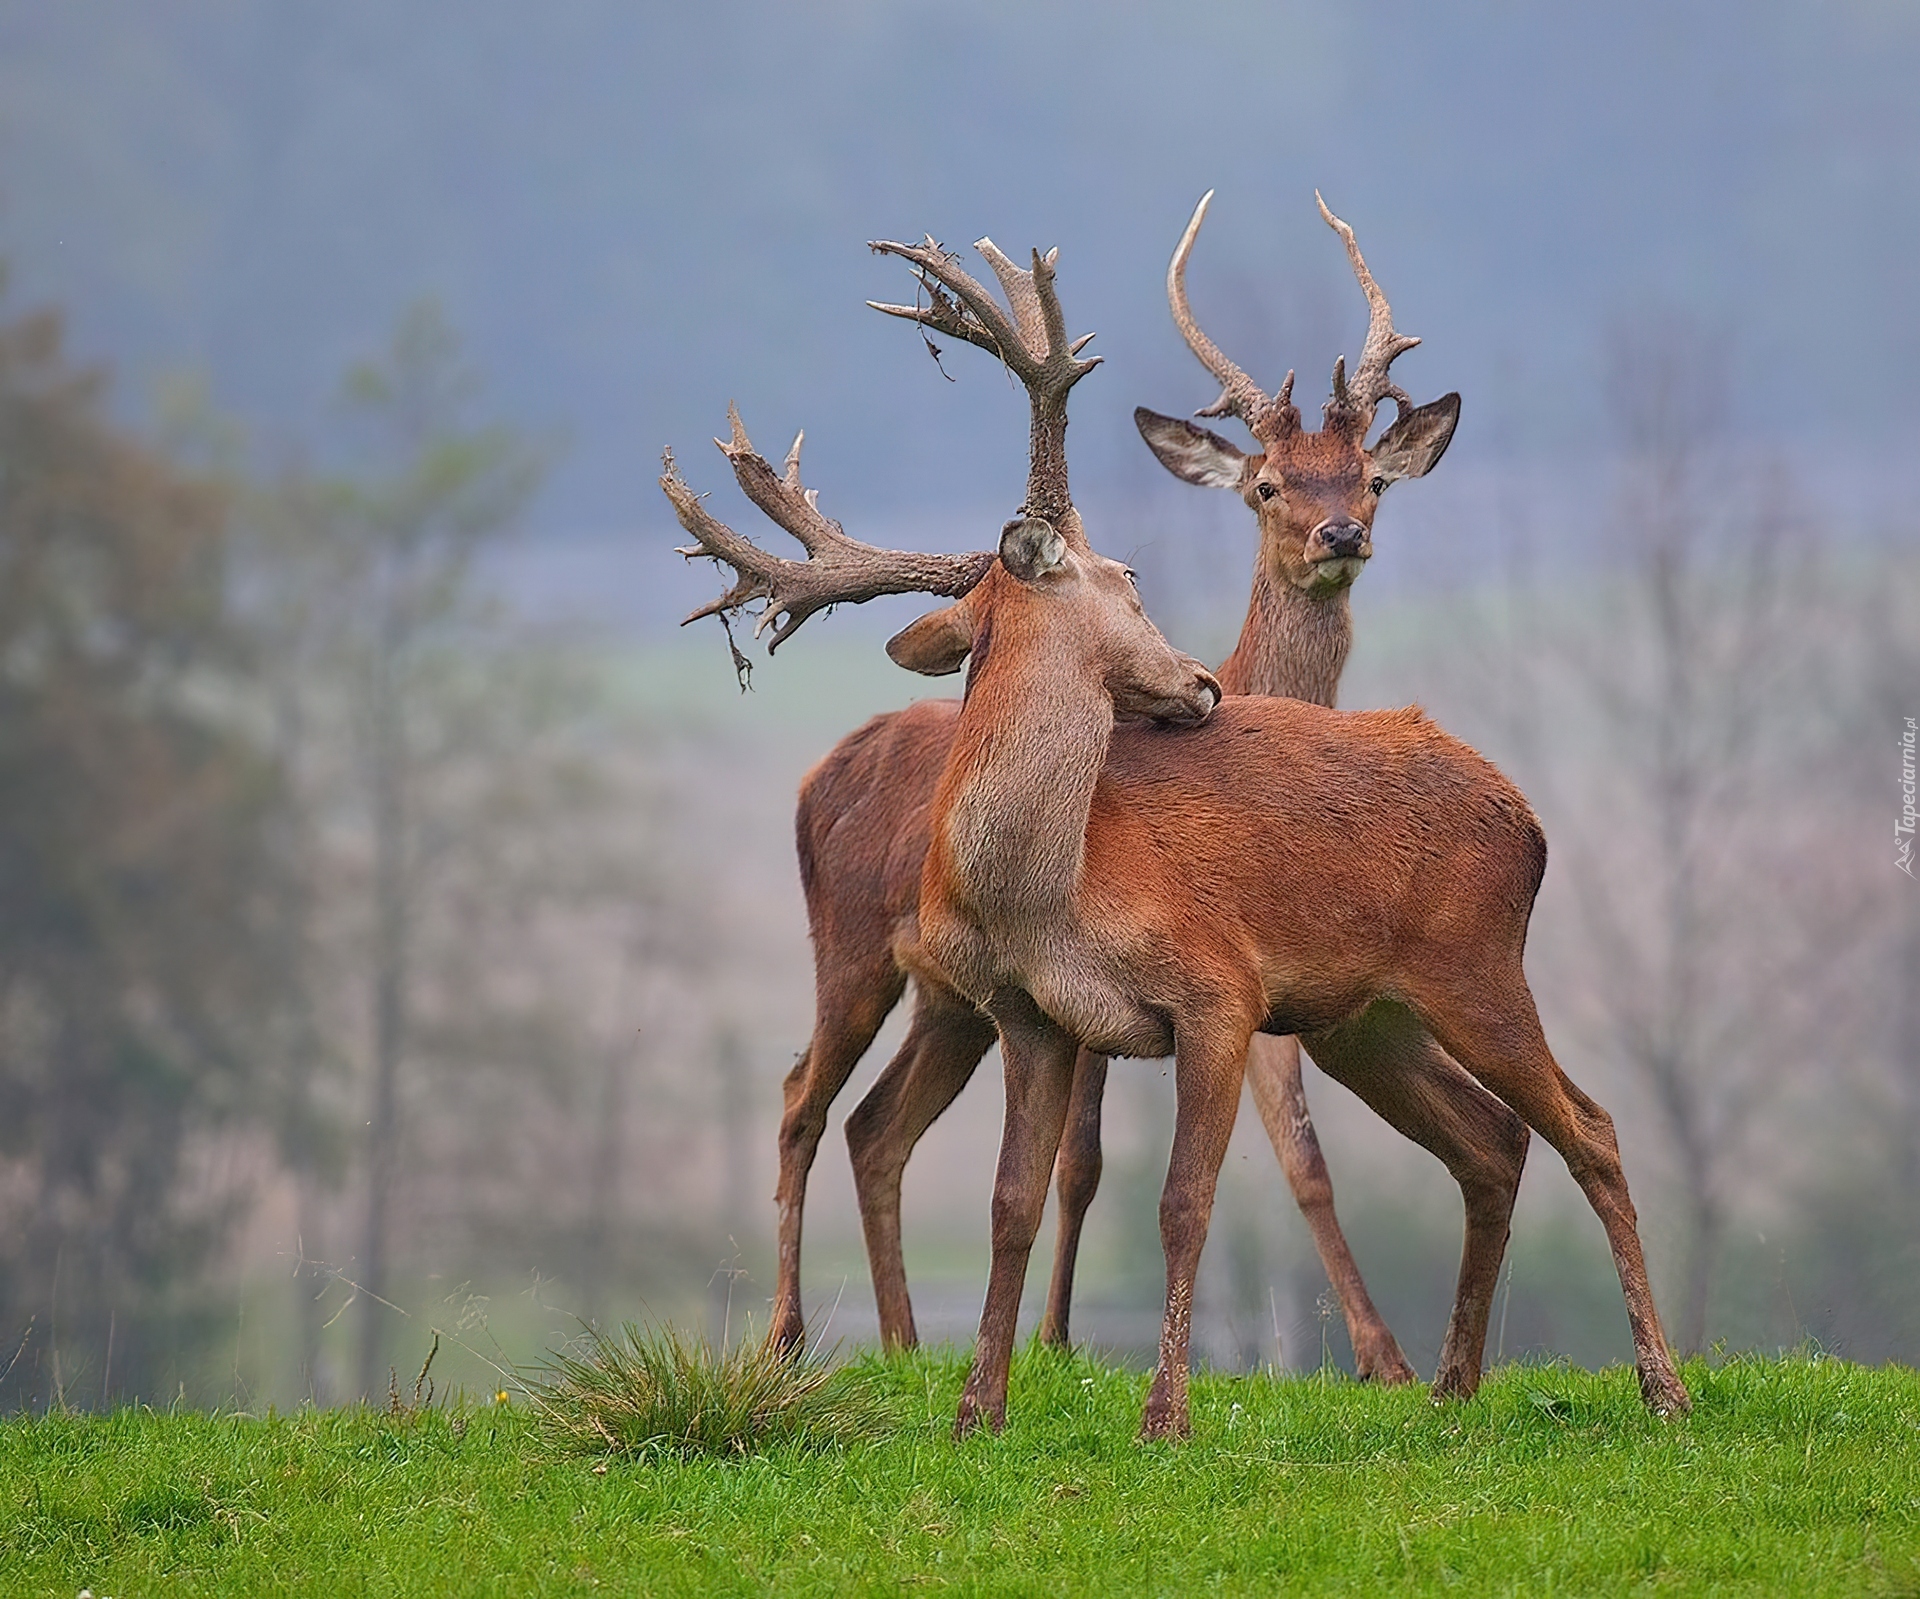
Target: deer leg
(943, 1046)
(1494, 1031)
(1387, 1058)
(1273, 1073)
(1207, 1075)
(1038, 1057)
(852, 1000)
(1076, 1181)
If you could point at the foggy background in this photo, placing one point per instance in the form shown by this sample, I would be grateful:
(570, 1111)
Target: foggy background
(398, 921)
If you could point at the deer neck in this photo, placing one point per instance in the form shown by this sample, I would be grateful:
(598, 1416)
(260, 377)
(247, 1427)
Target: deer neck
(1292, 643)
(1010, 816)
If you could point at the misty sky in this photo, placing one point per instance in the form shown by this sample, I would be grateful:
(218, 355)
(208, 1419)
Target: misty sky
(638, 212)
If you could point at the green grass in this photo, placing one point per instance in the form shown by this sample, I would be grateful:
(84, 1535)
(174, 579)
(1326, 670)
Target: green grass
(644, 1391)
(1797, 1476)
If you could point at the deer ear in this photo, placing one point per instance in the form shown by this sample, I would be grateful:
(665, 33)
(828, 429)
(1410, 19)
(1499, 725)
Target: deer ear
(936, 644)
(1189, 451)
(1030, 548)
(1412, 447)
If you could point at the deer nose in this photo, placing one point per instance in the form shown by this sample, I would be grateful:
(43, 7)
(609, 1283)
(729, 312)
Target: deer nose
(1342, 539)
(1208, 692)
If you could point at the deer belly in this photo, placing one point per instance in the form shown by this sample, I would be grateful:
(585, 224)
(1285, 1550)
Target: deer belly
(1103, 1015)
(1311, 1007)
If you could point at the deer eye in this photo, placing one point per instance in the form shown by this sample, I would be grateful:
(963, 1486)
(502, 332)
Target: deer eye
(1377, 487)
(1266, 490)
(1132, 577)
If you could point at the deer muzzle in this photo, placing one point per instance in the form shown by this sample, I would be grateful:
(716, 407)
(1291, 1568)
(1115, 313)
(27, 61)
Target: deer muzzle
(1338, 539)
(1199, 702)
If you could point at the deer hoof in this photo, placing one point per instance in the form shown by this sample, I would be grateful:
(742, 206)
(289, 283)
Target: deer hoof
(1665, 1394)
(1385, 1365)
(974, 1415)
(1164, 1422)
(1455, 1382)
(788, 1334)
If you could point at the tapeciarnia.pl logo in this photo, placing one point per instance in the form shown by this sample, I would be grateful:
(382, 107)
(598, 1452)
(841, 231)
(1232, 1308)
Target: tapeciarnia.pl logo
(1903, 829)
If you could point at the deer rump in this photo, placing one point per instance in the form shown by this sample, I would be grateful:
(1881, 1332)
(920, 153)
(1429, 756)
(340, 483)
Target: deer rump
(1236, 837)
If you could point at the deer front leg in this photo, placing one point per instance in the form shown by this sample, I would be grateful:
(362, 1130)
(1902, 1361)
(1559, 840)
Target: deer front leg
(1076, 1181)
(1207, 1073)
(1039, 1058)
(1273, 1073)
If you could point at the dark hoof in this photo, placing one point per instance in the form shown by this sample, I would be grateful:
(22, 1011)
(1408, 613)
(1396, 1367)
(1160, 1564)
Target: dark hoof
(787, 1336)
(1665, 1394)
(973, 1416)
(1165, 1425)
(1455, 1384)
(1387, 1367)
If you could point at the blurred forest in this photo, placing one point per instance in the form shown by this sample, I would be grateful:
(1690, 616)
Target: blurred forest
(399, 931)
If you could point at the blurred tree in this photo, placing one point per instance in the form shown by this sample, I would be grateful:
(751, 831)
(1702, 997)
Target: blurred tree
(379, 682)
(1683, 714)
(138, 926)
(480, 858)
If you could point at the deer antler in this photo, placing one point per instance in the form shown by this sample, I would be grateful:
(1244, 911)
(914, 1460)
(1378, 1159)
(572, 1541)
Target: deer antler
(1239, 395)
(1354, 401)
(838, 570)
(1031, 341)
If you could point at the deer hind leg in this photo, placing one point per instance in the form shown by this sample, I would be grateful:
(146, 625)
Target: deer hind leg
(1495, 1033)
(1388, 1059)
(1273, 1073)
(852, 999)
(1038, 1057)
(1076, 1181)
(1207, 1075)
(942, 1047)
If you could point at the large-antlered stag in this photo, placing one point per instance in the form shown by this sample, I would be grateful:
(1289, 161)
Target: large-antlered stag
(861, 822)
(1360, 880)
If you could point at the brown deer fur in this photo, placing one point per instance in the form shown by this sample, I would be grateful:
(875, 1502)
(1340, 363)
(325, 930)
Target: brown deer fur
(1350, 878)
(861, 833)
(1363, 880)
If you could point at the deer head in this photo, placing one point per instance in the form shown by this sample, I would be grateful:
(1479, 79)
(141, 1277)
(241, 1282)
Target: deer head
(1085, 606)
(1314, 494)
(1072, 609)
(1047, 587)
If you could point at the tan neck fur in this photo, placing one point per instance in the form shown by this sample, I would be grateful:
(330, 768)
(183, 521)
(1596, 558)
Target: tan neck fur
(1292, 643)
(1014, 800)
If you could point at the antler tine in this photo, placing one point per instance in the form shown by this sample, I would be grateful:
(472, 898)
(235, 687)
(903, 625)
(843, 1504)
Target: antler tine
(976, 317)
(1031, 341)
(1022, 295)
(1059, 352)
(838, 570)
(1370, 383)
(1239, 395)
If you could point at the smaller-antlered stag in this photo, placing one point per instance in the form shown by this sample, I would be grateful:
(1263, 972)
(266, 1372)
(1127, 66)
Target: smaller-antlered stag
(1356, 879)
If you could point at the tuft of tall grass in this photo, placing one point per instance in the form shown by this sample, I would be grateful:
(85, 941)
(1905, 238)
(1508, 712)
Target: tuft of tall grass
(657, 1389)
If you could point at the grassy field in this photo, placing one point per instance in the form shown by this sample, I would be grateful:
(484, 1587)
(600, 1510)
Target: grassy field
(1797, 1476)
